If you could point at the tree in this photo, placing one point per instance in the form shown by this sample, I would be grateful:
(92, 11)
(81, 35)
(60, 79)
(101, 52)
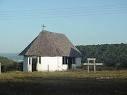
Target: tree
(110, 54)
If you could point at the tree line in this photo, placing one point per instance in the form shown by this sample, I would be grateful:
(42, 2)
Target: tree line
(114, 55)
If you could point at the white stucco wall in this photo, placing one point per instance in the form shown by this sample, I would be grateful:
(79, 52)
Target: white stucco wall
(51, 64)
(27, 67)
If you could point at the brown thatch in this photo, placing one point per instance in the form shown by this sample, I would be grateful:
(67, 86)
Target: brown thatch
(51, 44)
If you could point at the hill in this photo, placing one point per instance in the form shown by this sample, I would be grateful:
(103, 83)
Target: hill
(12, 56)
(7, 64)
(110, 54)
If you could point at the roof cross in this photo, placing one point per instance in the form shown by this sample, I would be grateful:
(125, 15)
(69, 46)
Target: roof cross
(43, 26)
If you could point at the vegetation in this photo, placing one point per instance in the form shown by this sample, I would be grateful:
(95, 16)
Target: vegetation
(112, 55)
(71, 82)
(64, 83)
(7, 64)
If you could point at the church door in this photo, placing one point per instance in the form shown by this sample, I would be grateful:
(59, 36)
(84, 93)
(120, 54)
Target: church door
(34, 64)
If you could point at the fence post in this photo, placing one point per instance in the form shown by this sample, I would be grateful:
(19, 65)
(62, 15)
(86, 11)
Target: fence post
(0, 68)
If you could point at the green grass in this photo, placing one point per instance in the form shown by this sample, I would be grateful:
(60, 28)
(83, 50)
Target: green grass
(63, 75)
(64, 83)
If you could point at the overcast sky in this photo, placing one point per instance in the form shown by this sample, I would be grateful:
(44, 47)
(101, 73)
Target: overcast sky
(82, 21)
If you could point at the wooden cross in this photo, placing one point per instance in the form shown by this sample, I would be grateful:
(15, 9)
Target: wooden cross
(43, 27)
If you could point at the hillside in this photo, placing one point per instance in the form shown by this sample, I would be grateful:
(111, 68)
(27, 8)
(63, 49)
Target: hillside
(7, 64)
(109, 54)
(12, 56)
(5, 60)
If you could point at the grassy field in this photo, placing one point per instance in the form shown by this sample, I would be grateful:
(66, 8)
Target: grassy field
(64, 83)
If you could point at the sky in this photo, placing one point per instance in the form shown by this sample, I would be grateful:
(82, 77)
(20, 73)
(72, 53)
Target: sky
(84, 22)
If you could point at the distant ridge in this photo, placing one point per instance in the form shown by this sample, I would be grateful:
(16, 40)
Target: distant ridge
(12, 56)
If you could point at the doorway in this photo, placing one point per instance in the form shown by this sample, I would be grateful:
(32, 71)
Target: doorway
(34, 64)
(69, 63)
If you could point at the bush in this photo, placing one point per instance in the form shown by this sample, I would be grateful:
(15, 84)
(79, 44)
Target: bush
(8, 65)
(20, 66)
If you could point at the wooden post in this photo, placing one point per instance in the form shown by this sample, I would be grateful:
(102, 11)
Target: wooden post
(94, 66)
(88, 68)
(0, 68)
(89, 64)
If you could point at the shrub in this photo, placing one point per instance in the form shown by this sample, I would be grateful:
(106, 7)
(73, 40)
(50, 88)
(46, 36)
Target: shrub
(7, 64)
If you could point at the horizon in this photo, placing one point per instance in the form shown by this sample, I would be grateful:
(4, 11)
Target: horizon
(84, 22)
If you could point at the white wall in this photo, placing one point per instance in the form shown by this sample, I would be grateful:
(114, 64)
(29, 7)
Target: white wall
(27, 67)
(51, 64)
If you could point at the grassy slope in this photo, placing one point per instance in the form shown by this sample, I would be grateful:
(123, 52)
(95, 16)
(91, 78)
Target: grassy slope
(64, 83)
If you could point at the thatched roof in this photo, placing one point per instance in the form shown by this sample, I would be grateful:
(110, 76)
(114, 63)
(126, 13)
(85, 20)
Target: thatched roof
(51, 44)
